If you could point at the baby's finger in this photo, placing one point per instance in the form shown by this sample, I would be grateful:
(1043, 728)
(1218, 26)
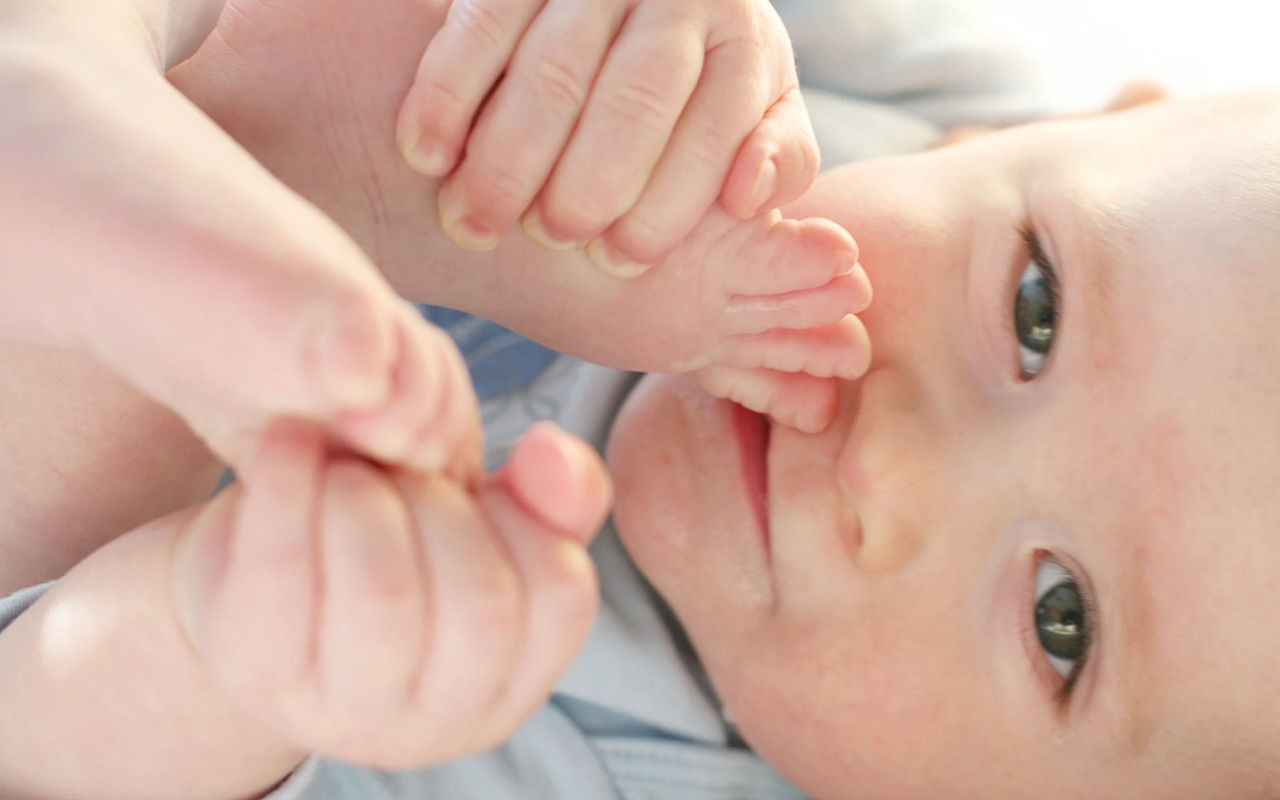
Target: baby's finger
(558, 480)
(246, 585)
(842, 350)
(478, 617)
(525, 125)
(691, 171)
(790, 398)
(561, 597)
(457, 71)
(372, 621)
(641, 90)
(778, 161)
(443, 434)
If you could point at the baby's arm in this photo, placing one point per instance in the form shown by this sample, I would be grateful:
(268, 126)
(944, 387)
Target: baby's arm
(89, 457)
(325, 605)
(140, 234)
(764, 301)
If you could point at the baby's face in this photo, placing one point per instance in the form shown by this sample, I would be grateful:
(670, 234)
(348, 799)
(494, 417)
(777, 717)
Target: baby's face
(1008, 570)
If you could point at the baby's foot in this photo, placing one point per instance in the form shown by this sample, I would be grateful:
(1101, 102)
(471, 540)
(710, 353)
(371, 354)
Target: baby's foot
(765, 301)
(761, 310)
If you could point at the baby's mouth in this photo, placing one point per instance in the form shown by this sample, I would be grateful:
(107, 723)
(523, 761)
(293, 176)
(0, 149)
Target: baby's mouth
(752, 432)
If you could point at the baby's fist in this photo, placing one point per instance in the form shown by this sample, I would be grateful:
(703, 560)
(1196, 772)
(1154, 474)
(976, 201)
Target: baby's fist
(388, 618)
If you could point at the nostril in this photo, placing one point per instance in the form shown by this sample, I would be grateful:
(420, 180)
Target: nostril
(850, 528)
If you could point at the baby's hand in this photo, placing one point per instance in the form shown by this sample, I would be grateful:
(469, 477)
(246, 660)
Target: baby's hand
(133, 228)
(761, 304)
(391, 618)
(613, 124)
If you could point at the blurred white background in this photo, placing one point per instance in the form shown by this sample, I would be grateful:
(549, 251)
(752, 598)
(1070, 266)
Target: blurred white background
(1193, 47)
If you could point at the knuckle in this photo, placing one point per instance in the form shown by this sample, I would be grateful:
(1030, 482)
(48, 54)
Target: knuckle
(574, 213)
(707, 147)
(482, 20)
(745, 20)
(495, 610)
(498, 187)
(440, 98)
(641, 237)
(391, 595)
(558, 86)
(640, 105)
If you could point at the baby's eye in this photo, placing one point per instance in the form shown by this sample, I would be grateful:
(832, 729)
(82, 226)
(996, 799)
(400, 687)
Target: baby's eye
(1035, 317)
(1062, 619)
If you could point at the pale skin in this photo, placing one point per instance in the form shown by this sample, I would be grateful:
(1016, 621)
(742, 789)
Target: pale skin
(770, 331)
(892, 630)
(612, 126)
(101, 145)
(151, 246)
(885, 645)
(392, 543)
(344, 352)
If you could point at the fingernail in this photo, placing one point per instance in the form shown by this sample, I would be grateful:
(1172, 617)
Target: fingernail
(458, 224)
(427, 156)
(611, 262)
(536, 229)
(765, 184)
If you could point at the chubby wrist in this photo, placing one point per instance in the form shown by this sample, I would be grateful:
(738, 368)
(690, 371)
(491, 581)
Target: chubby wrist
(101, 658)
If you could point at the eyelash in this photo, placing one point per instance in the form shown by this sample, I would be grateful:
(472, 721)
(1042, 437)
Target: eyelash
(1031, 241)
(1067, 685)
(1035, 252)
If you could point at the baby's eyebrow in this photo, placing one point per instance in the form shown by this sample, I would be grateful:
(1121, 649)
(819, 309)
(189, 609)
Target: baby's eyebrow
(1083, 243)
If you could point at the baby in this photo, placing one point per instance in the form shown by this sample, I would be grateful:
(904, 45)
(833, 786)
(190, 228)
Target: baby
(316, 332)
(1030, 552)
(946, 593)
(956, 590)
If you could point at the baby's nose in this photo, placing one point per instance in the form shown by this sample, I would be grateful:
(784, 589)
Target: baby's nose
(886, 546)
(888, 470)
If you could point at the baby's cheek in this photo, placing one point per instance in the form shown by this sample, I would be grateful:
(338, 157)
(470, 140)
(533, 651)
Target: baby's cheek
(795, 699)
(845, 709)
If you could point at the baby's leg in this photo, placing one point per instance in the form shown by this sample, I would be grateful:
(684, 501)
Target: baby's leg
(317, 103)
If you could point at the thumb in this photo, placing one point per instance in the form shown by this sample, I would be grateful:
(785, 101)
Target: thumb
(559, 480)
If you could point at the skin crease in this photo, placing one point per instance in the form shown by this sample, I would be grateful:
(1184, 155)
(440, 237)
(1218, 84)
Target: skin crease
(884, 646)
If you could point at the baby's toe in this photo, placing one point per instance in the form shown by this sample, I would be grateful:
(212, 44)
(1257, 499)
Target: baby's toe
(790, 255)
(789, 398)
(839, 350)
